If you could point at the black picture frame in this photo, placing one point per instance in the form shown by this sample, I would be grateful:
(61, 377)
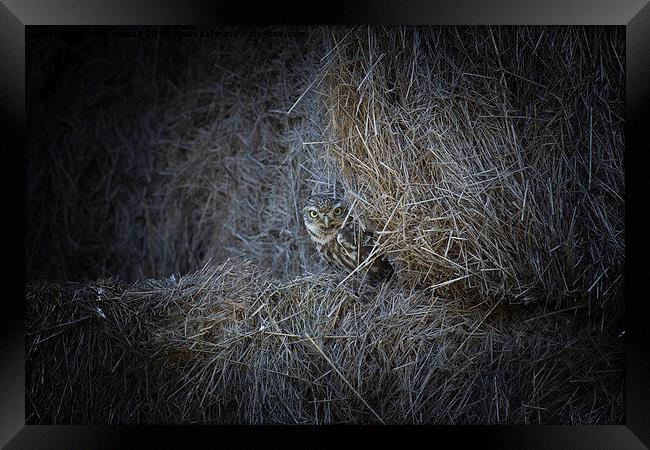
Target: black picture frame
(16, 15)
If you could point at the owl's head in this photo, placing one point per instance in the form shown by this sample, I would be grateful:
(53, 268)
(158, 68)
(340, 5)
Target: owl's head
(324, 215)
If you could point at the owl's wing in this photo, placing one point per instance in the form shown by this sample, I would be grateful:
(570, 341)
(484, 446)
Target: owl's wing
(368, 238)
(347, 240)
(353, 241)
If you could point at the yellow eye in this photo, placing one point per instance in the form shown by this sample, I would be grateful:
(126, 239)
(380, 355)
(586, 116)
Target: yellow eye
(337, 211)
(313, 214)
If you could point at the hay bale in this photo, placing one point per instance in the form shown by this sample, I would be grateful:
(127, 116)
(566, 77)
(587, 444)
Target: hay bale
(481, 163)
(493, 156)
(228, 344)
(489, 161)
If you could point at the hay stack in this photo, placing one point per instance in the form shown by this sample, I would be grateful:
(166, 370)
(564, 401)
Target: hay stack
(492, 156)
(228, 344)
(488, 160)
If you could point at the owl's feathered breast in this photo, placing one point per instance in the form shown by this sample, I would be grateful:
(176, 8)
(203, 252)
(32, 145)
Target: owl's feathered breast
(349, 248)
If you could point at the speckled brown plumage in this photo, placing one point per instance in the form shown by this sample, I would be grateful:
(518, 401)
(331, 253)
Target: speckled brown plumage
(340, 241)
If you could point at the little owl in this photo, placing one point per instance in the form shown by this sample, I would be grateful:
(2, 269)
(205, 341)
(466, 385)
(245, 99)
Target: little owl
(341, 244)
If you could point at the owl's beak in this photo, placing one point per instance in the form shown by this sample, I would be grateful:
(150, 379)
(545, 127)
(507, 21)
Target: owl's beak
(326, 221)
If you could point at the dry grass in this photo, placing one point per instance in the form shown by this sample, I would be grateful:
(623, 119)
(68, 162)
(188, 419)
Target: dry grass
(228, 344)
(488, 160)
(474, 151)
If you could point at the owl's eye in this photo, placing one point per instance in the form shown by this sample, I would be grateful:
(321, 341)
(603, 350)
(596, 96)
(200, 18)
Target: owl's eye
(313, 214)
(338, 211)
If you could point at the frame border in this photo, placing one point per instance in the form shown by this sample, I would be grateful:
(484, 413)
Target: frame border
(16, 15)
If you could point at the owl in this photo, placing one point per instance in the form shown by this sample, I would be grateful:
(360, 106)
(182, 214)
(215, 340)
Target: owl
(342, 244)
